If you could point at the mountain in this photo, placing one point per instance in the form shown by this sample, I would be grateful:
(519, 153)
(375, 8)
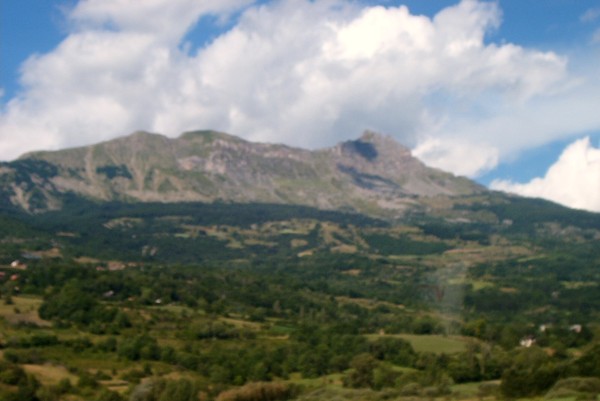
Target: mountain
(146, 265)
(372, 175)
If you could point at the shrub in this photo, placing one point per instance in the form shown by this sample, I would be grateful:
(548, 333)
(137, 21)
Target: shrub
(258, 391)
(363, 366)
(395, 350)
(574, 386)
(165, 390)
(107, 395)
(23, 356)
(488, 389)
(11, 374)
(410, 389)
(87, 380)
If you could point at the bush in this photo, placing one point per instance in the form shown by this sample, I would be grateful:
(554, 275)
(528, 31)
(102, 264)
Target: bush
(164, 390)
(11, 374)
(23, 356)
(140, 347)
(259, 391)
(531, 373)
(574, 386)
(107, 395)
(87, 380)
(363, 367)
(70, 304)
(180, 390)
(79, 344)
(488, 389)
(410, 389)
(134, 375)
(36, 340)
(395, 350)
(589, 363)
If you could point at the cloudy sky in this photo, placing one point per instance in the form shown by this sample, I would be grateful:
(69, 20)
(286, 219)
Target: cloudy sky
(506, 92)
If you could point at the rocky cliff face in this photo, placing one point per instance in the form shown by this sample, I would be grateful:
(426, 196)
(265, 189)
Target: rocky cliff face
(373, 174)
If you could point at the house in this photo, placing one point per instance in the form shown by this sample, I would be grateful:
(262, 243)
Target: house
(17, 264)
(575, 328)
(527, 341)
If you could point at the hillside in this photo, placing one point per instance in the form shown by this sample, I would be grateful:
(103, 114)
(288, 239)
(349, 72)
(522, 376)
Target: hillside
(208, 267)
(372, 175)
(112, 300)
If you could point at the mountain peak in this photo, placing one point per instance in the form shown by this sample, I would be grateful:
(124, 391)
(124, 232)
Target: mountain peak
(209, 136)
(384, 142)
(374, 137)
(373, 174)
(372, 146)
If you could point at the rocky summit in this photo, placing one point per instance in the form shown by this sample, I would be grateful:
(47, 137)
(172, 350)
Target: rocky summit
(372, 175)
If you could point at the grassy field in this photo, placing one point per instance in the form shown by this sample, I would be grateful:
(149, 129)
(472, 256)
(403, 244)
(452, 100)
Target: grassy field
(471, 389)
(49, 374)
(332, 380)
(22, 310)
(466, 389)
(436, 343)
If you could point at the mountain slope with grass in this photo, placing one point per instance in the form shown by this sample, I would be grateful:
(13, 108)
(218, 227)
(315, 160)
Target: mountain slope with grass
(371, 175)
(351, 273)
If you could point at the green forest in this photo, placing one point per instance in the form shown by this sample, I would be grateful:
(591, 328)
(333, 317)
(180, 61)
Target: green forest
(253, 302)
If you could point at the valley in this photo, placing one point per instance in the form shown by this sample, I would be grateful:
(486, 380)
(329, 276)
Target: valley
(210, 268)
(225, 301)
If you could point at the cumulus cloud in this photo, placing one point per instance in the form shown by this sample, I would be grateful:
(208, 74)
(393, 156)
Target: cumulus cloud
(306, 73)
(164, 20)
(457, 155)
(574, 180)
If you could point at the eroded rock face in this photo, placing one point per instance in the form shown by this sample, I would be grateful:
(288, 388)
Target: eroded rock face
(373, 174)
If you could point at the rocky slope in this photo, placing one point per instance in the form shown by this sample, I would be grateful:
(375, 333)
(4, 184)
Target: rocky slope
(372, 175)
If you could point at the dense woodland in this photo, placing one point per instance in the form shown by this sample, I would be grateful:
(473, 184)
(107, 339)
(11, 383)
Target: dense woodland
(154, 302)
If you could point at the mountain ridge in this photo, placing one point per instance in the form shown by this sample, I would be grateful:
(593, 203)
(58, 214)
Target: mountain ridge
(372, 174)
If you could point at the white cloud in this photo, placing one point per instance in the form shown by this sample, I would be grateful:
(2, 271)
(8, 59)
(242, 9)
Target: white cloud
(307, 73)
(457, 155)
(165, 20)
(590, 15)
(574, 180)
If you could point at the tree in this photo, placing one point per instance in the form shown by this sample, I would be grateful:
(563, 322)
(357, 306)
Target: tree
(589, 363)
(531, 373)
(363, 366)
(71, 304)
(395, 350)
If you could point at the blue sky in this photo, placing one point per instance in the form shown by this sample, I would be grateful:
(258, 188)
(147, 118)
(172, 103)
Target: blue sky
(505, 92)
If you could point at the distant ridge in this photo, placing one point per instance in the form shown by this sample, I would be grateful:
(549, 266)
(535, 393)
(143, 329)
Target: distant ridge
(372, 175)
